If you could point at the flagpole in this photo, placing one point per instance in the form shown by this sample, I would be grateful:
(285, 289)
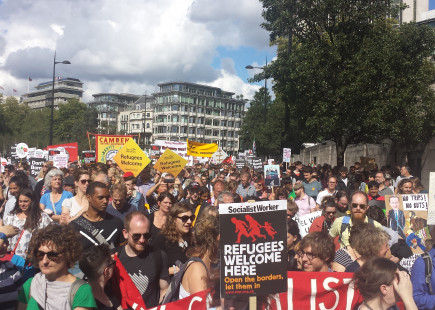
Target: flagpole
(28, 83)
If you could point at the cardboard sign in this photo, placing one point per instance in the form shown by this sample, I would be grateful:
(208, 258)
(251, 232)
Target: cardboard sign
(286, 155)
(431, 206)
(36, 165)
(106, 146)
(88, 157)
(3, 163)
(304, 222)
(407, 215)
(272, 175)
(131, 158)
(70, 148)
(253, 248)
(39, 154)
(201, 149)
(60, 160)
(170, 162)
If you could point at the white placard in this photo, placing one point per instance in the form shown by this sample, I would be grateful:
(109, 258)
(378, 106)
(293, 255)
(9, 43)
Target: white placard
(304, 222)
(431, 205)
(60, 160)
(22, 149)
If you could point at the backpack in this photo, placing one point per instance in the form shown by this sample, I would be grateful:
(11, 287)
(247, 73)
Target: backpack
(72, 291)
(428, 270)
(345, 225)
(173, 290)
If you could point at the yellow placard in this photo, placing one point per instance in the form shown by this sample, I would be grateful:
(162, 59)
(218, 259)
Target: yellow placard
(106, 146)
(170, 162)
(201, 149)
(131, 158)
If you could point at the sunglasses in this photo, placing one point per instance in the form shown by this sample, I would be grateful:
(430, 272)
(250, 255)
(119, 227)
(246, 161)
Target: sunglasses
(185, 218)
(86, 181)
(360, 205)
(51, 255)
(136, 237)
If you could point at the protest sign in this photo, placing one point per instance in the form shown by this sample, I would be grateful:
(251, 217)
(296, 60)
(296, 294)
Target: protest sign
(272, 175)
(53, 152)
(31, 152)
(219, 156)
(270, 161)
(88, 157)
(305, 221)
(3, 163)
(21, 150)
(257, 164)
(253, 251)
(60, 160)
(106, 146)
(131, 158)
(407, 215)
(240, 163)
(286, 155)
(36, 165)
(201, 149)
(39, 154)
(407, 263)
(320, 290)
(70, 148)
(431, 205)
(170, 162)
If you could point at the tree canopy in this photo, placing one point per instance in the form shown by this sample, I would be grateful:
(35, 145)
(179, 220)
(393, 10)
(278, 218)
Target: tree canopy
(349, 73)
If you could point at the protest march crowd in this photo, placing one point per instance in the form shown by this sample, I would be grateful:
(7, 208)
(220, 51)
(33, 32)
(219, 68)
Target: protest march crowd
(93, 236)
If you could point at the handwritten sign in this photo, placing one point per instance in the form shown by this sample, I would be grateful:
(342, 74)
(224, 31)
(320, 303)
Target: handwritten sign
(170, 162)
(131, 158)
(60, 160)
(304, 222)
(414, 202)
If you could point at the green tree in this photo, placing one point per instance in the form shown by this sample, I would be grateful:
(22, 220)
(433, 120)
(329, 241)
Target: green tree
(348, 74)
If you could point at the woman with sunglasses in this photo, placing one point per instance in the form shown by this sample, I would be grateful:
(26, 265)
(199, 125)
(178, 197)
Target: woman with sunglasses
(196, 277)
(158, 218)
(51, 201)
(176, 235)
(27, 217)
(75, 206)
(53, 250)
(98, 266)
(382, 285)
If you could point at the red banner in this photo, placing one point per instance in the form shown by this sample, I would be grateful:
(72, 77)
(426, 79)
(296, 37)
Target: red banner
(71, 148)
(193, 302)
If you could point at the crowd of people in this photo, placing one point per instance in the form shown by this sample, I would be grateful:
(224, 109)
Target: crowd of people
(87, 236)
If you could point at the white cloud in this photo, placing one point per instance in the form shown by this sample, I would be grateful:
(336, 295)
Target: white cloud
(129, 46)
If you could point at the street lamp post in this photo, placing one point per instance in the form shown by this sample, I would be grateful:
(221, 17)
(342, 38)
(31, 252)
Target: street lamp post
(65, 62)
(265, 86)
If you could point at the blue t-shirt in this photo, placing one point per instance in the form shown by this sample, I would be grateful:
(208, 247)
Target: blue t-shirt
(45, 200)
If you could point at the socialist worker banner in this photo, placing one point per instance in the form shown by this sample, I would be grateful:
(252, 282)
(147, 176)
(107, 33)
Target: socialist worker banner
(201, 149)
(107, 146)
(253, 248)
(70, 148)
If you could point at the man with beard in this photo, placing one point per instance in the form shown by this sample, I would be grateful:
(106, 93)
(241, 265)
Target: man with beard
(342, 204)
(358, 210)
(194, 200)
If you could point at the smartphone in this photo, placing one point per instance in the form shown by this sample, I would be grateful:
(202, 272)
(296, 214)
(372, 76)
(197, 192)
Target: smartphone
(169, 181)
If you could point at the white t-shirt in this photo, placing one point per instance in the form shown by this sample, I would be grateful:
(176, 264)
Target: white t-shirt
(72, 205)
(323, 194)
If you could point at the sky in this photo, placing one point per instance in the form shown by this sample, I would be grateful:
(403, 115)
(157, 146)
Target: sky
(130, 46)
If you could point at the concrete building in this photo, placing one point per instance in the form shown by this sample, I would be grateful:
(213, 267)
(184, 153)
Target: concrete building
(417, 11)
(64, 89)
(137, 119)
(108, 105)
(198, 112)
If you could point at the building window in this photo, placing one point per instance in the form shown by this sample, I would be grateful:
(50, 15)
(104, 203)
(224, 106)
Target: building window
(175, 107)
(183, 129)
(192, 119)
(215, 133)
(208, 121)
(174, 129)
(215, 122)
(230, 123)
(192, 131)
(224, 123)
(148, 125)
(148, 114)
(208, 132)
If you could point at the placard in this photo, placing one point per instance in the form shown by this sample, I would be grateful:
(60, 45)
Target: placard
(240, 163)
(219, 156)
(170, 162)
(407, 215)
(60, 160)
(88, 157)
(272, 175)
(106, 146)
(69, 148)
(253, 248)
(304, 222)
(131, 158)
(201, 149)
(36, 165)
(21, 150)
(431, 205)
(3, 163)
(286, 155)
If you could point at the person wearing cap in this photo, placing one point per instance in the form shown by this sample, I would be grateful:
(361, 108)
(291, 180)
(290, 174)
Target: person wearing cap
(383, 189)
(134, 198)
(305, 203)
(68, 184)
(193, 200)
